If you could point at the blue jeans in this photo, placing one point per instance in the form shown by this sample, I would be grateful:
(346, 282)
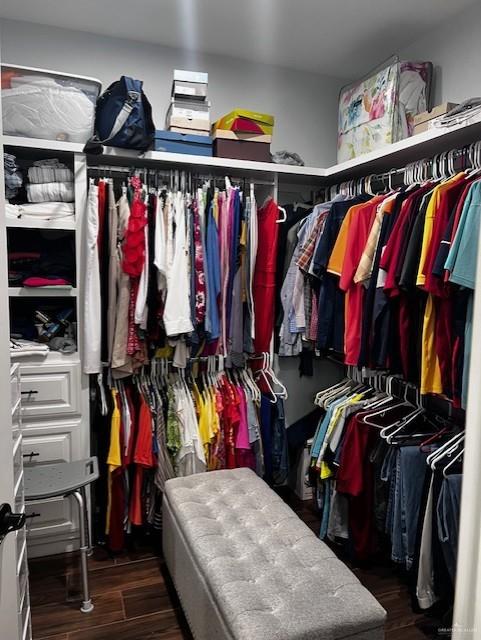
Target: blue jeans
(388, 474)
(447, 512)
(410, 475)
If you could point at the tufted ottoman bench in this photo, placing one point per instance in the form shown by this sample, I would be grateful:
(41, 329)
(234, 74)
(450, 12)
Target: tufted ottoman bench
(247, 568)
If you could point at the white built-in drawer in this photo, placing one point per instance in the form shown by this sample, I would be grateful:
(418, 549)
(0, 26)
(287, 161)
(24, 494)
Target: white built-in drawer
(17, 459)
(52, 442)
(50, 390)
(14, 384)
(53, 517)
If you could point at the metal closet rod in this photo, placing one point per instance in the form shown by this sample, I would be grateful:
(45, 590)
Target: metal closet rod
(168, 173)
(438, 161)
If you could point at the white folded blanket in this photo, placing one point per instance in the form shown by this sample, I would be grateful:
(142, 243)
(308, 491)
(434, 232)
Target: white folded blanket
(52, 173)
(40, 210)
(20, 348)
(51, 192)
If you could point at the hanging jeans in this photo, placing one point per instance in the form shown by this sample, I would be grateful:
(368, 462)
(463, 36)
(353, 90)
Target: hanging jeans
(92, 304)
(448, 507)
(410, 474)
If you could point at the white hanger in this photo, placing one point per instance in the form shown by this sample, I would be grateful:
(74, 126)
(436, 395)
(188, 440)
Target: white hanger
(438, 453)
(284, 214)
(450, 464)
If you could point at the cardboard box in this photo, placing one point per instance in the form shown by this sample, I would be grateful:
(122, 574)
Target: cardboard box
(190, 109)
(242, 150)
(226, 134)
(246, 121)
(191, 76)
(198, 132)
(197, 127)
(422, 120)
(174, 142)
(189, 90)
(189, 115)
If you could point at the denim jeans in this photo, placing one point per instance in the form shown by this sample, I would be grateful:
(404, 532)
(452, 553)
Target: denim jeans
(388, 474)
(410, 474)
(326, 506)
(448, 507)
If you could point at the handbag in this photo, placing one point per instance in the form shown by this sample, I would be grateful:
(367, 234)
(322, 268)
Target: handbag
(123, 118)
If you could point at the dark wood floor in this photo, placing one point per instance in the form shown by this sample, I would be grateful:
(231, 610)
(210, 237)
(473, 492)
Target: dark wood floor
(134, 598)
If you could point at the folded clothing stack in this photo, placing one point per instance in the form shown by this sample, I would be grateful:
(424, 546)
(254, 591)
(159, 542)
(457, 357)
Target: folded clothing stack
(40, 210)
(47, 262)
(50, 181)
(13, 177)
(49, 171)
(20, 348)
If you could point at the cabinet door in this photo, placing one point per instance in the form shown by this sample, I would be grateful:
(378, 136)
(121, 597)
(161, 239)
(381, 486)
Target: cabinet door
(50, 390)
(51, 442)
(45, 442)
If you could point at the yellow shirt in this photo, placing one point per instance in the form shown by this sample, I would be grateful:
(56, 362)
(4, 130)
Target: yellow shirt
(430, 370)
(114, 459)
(325, 470)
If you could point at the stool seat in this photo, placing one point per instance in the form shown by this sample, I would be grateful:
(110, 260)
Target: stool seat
(58, 479)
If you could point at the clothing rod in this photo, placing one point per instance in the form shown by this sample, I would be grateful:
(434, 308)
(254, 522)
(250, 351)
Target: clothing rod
(428, 162)
(168, 172)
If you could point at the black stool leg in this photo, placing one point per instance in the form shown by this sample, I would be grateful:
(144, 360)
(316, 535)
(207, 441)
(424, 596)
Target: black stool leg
(87, 605)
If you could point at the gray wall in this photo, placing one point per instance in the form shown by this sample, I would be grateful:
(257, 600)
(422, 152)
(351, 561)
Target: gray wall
(455, 50)
(304, 104)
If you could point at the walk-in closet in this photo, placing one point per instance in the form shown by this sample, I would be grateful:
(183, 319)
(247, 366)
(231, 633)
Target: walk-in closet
(240, 316)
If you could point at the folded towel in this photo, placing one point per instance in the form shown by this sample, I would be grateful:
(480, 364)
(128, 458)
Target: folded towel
(51, 192)
(20, 348)
(42, 210)
(46, 281)
(50, 173)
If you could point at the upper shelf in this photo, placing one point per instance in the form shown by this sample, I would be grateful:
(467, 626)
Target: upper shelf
(396, 155)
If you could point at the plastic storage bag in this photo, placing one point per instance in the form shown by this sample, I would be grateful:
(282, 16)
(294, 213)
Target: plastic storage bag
(379, 109)
(47, 104)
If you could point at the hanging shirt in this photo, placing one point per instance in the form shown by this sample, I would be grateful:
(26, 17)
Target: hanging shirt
(177, 319)
(349, 247)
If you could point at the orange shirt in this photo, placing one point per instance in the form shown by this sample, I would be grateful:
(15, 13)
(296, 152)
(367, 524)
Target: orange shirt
(345, 258)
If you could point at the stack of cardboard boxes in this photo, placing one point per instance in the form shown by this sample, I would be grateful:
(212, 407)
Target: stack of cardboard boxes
(244, 135)
(187, 123)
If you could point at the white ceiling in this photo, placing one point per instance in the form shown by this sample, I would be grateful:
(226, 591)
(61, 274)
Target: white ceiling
(342, 38)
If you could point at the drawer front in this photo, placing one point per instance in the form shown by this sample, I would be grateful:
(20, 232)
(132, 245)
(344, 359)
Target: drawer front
(17, 459)
(47, 442)
(15, 387)
(50, 390)
(51, 518)
(16, 422)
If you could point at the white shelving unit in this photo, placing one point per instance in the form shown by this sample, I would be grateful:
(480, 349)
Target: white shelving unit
(42, 292)
(28, 223)
(56, 415)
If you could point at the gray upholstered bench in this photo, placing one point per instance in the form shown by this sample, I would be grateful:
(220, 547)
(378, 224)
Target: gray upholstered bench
(246, 568)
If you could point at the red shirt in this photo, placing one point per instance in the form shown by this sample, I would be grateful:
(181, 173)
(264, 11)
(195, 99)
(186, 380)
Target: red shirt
(356, 241)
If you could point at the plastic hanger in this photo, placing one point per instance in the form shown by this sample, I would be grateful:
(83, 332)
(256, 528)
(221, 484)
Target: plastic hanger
(450, 445)
(453, 461)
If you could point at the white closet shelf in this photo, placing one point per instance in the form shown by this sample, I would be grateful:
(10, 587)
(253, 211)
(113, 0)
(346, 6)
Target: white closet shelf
(248, 166)
(396, 155)
(46, 145)
(51, 357)
(23, 223)
(42, 292)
